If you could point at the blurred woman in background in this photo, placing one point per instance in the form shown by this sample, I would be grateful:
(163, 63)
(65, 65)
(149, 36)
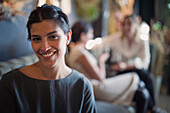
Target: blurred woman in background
(122, 90)
(131, 53)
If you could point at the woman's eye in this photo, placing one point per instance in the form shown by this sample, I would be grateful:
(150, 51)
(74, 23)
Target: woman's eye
(36, 39)
(53, 37)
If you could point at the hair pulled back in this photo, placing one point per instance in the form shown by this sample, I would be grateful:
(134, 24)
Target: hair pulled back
(78, 28)
(47, 12)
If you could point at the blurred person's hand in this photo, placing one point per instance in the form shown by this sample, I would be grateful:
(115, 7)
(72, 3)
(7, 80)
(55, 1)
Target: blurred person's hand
(116, 67)
(121, 66)
(104, 56)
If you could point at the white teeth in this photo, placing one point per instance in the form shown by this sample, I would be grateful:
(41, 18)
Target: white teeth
(47, 55)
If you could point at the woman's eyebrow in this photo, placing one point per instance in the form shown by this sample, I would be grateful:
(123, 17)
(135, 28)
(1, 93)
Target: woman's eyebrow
(51, 33)
(35, 36)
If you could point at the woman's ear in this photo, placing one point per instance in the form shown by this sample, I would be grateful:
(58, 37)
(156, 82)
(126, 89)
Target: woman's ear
(69, 37)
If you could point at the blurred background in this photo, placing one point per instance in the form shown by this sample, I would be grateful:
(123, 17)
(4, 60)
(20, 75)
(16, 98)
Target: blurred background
(105, 16)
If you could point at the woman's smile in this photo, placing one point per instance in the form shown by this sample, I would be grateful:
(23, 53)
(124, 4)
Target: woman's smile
(48, 55)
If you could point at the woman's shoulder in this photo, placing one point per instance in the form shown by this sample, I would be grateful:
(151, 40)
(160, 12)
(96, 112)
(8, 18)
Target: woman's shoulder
(77, 49)
(18, 72)
(11, 73)
(140, 41)
(80, 76)
(75, 53)
(77, 74)
(112, 38)
(84, 82)
(10, 76)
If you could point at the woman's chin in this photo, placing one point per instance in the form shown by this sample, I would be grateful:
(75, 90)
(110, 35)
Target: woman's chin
(49, 64)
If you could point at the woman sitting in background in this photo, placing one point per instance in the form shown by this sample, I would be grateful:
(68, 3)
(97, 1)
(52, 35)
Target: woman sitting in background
(122, 90)
(132, 49)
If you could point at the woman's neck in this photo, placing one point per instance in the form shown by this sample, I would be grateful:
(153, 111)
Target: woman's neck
(56, 72)
(80, 44)
(130, 39)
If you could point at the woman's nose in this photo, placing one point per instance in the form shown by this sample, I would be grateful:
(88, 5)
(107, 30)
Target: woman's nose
(45, 45)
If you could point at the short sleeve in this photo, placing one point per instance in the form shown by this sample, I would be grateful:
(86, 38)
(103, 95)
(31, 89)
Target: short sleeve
(89, 101)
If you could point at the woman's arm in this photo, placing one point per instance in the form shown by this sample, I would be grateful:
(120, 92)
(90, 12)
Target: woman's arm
(97, 71)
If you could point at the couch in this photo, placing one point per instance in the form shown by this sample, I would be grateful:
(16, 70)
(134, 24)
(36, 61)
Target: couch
(11, 64)
(102, 107)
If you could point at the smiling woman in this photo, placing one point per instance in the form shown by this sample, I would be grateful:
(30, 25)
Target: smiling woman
(48, 82)
(47, 44)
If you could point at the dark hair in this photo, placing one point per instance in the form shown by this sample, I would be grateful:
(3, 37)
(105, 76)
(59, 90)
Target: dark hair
(78, 28)
(47, 12)
(130, 17)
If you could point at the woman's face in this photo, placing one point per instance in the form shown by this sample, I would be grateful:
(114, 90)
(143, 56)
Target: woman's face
(127, 27)
(49, 42)
(89, 35)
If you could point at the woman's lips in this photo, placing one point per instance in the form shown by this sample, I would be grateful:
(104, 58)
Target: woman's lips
(48, 55)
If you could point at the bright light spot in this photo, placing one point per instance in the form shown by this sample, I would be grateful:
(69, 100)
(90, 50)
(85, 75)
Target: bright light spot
(137, 63)
(144, 36)
(168, 5)
(98, 40)
(144, 31)
(91, 43)
(144, 28)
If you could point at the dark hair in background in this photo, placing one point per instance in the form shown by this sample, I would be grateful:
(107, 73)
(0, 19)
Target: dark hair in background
(130, 17)
(47, 12)
(78, 28)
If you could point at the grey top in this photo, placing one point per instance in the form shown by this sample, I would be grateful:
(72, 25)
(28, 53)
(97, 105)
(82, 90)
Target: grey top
(22, 94)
